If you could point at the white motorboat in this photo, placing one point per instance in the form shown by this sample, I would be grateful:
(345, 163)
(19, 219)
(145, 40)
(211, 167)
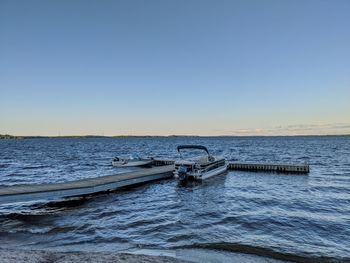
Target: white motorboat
(198, 168)
(131, 161)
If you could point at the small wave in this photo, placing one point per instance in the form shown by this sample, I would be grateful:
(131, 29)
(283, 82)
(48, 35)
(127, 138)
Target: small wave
(177, 238)
(35, 167)
(27, 230)
(65, 203)
(61, 229)
(264, 252)
(23, 216)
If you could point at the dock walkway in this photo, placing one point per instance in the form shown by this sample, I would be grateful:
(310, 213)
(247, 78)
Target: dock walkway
(83, 187)
(270, 167)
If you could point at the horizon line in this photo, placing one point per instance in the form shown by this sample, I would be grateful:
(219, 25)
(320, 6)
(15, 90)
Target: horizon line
(10, 136)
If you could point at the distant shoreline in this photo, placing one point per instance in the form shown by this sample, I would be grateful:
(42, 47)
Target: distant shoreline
(15, 137)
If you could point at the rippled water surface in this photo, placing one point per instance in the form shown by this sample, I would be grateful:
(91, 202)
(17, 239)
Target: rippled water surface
(263, 213)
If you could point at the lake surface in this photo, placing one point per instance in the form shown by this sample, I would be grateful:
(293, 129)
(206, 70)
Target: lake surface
(276, 215)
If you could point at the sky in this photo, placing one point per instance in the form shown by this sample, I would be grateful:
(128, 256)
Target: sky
(181, 67)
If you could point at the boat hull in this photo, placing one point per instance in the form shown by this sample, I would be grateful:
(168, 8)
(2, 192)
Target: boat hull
(202, 176)
(213, 172)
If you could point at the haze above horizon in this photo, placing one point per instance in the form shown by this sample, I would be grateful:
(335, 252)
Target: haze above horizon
(174, 67)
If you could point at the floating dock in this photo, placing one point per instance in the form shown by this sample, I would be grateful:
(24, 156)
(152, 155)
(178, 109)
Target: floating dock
(32, 192)
(280, 168)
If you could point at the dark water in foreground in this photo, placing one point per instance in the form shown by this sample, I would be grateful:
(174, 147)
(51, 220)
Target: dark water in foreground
(281, 216)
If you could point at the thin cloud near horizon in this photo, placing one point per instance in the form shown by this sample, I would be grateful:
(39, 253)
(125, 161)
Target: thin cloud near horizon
(280, 130)
(296, 129)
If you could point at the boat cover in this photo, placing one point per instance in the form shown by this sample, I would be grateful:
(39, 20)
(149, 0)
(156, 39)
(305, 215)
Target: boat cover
(199, 147)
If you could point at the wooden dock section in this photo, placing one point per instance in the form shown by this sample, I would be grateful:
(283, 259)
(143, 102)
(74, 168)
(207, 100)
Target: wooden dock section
(280, 168)
(22, 193)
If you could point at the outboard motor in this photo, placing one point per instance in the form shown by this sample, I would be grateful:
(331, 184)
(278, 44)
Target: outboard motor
(182, 173)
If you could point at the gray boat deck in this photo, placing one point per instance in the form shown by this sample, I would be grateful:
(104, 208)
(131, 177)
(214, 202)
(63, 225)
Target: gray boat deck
(31, 192)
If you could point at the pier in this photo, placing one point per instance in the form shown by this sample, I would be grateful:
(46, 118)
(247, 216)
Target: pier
(32, 192)
(266, 167)
(161, 169)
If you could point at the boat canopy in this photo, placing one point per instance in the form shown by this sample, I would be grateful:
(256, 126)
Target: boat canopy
(199, 147)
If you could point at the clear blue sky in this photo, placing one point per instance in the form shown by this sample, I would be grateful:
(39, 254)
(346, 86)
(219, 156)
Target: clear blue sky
(174, 67)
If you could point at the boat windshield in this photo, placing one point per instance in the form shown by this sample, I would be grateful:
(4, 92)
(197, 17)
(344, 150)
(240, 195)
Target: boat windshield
(192, 155)
(192, 147)
(135, 157)
(191, 151)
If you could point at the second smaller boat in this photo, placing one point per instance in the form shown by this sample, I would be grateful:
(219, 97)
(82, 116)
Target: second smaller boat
(131, 161)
